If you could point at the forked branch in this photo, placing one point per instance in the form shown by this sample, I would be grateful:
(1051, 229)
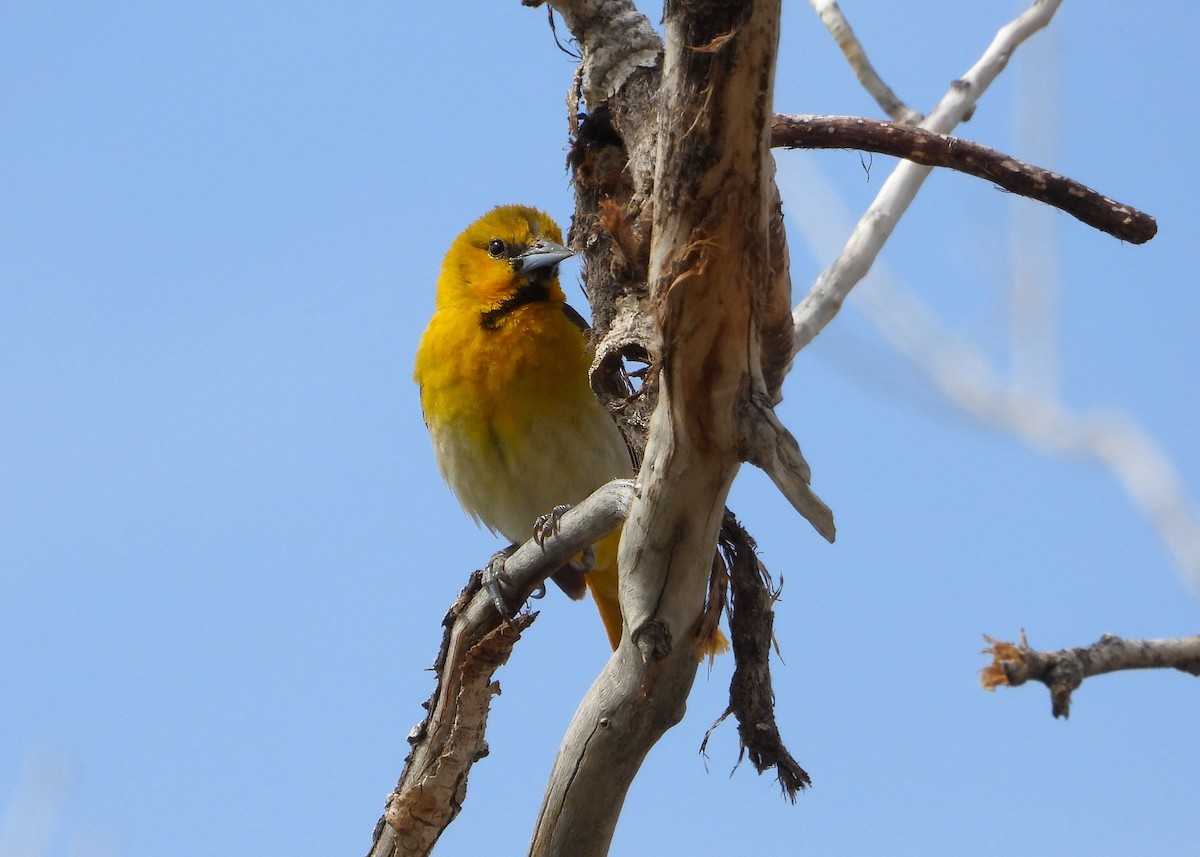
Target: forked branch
(834, 284)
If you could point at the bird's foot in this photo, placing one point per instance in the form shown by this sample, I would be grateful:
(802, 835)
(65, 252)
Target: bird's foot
(491, 581)
(547, 525)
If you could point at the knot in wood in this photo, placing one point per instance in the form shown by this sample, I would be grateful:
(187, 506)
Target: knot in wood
(653, 640)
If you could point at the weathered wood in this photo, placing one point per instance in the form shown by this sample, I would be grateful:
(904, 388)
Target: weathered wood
(476, 642)
(709, 258)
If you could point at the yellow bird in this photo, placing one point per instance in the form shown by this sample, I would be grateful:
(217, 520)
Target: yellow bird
(503, 370)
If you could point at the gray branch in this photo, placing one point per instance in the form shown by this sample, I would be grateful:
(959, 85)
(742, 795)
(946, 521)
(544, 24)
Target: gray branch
(837, 25)
(834, 284)
(477, 642)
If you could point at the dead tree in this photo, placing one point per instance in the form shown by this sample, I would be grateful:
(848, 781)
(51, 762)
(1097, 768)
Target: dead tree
(678, 221)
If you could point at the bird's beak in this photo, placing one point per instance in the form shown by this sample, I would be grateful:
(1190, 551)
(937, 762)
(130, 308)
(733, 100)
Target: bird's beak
(542, 253)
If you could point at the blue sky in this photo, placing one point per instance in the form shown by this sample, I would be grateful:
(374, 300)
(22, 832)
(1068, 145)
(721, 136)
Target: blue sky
(225, 550)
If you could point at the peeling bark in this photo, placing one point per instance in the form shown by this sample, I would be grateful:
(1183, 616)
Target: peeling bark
(709, 209)
(751, 694)
(476, 642)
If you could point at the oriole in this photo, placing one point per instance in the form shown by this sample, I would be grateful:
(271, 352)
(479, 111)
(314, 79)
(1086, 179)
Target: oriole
(503, 371)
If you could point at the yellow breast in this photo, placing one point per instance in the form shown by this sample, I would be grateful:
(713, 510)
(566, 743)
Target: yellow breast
(516, 428)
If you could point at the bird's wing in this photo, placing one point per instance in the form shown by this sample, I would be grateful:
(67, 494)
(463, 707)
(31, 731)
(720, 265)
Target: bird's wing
(576, 319)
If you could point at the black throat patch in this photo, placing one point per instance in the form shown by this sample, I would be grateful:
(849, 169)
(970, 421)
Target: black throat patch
(532, 290)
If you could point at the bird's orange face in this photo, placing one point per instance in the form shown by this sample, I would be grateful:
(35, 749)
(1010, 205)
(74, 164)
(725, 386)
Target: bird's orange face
(502, 261)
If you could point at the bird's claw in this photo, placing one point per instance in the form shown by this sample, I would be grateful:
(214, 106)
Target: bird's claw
(547, 525)
(490, 580)
(493, 573)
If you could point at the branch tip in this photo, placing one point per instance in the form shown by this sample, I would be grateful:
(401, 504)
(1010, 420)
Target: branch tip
(930, 149)
(768, 445)
(1065, 670)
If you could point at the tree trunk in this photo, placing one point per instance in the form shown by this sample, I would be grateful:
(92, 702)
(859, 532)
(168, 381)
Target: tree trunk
(709, 263)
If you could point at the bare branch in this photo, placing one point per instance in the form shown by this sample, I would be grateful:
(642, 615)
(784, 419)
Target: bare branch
(825, 298)
(941, 150)
(477, 642)
(1044, 422)
(1035, 415)
(837, 25)
(709, 257)
(1063, 671)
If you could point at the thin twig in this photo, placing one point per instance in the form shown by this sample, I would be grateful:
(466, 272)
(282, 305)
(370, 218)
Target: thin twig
(941, 150)
(1063, 671)
(837, 25)
(825, 298)
(1043, 421)
(1035, 415)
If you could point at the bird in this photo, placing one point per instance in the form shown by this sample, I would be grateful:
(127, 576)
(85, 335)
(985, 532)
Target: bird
(503, 374)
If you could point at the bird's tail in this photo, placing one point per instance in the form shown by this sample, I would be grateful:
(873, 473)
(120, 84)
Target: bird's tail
(602, 581)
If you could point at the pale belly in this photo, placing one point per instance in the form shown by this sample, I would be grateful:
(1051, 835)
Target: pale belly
(507, 474)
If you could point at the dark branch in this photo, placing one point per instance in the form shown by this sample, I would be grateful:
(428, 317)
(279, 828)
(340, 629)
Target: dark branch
(941, 150)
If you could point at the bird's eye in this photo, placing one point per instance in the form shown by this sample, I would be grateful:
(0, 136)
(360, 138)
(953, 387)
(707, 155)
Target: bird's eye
(496, 248)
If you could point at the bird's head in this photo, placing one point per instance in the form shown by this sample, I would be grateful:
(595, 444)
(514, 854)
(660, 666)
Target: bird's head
(504, 260)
